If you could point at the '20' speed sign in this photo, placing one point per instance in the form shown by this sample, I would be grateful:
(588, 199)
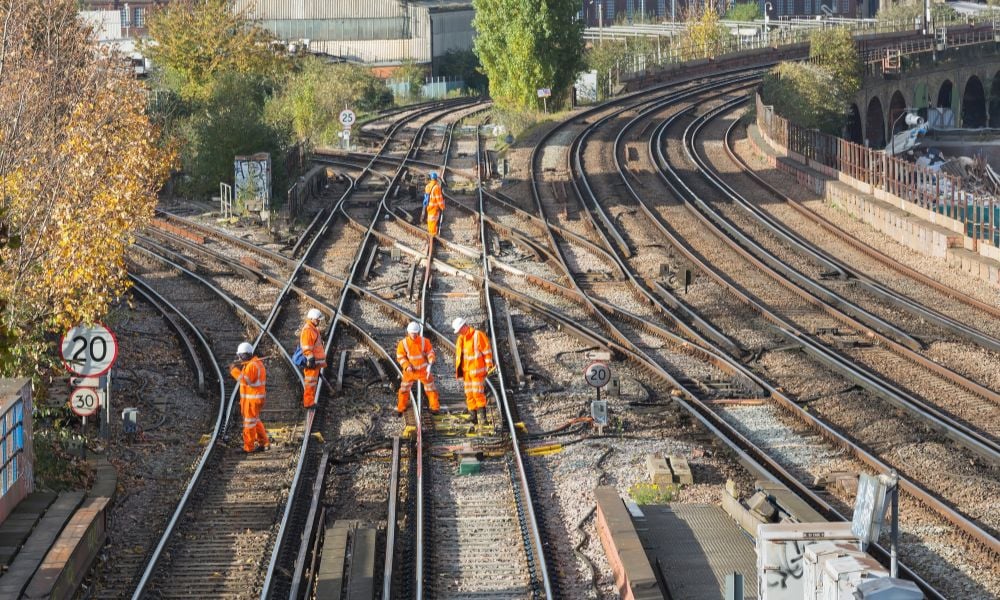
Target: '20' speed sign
(598, 374)
(85, 401)
(89, 351)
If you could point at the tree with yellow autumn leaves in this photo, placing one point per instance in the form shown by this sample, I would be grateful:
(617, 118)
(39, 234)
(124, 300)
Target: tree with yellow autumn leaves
(80, 168)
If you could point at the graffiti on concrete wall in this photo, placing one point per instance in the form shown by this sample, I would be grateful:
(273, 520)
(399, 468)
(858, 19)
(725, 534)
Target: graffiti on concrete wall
(252, 181)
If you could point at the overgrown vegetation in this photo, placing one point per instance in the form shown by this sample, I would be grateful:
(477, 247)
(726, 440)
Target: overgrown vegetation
(54, 468)
(911, 11)
(79, 172)
(609, 57)
(703, 36)
(311, 98)
(743, 11)
(223, 90)
(525, 46)
(817, 94)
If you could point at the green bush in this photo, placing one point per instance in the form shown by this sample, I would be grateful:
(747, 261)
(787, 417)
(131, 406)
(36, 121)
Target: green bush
(910, 11)
(744, 11)
(806, 94)
(231, 123)
(312, 97)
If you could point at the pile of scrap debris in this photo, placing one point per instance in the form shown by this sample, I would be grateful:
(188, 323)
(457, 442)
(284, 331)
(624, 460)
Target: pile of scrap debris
(976, 174)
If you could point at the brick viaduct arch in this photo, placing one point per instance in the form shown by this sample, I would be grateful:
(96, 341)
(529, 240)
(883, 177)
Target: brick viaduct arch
(971, 90)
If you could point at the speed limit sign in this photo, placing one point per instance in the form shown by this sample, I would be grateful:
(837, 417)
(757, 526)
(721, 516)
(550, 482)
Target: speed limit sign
(347, 118)
(89, 351)
(598, 374)
(85, 401)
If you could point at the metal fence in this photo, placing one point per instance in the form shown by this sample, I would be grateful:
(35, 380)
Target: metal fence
(434, 87)
(665, 44)
(935, 191)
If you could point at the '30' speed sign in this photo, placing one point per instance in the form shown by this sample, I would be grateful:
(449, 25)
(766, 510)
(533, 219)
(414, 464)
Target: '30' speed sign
(89, 351)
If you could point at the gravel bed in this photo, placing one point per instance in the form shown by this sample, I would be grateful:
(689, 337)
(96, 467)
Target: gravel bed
(929, 544)
(152, 473)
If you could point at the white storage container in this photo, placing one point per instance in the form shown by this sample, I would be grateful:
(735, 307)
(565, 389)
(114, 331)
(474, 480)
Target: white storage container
(815, 559)
(841, 576)
(781, 555)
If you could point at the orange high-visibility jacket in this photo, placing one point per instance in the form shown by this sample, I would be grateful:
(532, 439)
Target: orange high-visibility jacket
(252, 378)
(312, 344)
(415, 352)
(436, 201)
(473, 355)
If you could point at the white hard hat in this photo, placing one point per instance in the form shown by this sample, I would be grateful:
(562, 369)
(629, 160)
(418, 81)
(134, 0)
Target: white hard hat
(458, 324)
(413, 327)
(244, 348)
(314, 314)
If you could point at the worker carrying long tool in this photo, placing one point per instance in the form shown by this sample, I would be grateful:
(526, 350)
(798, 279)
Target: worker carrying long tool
(315, 356)
(433, 203)
(416, 357)
(252, 376)
(473, 362)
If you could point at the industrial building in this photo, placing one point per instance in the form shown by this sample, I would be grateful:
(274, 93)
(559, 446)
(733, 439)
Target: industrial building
(377, 32)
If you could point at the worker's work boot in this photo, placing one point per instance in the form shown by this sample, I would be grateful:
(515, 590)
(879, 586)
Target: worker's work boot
(482, 417)
(473, 418)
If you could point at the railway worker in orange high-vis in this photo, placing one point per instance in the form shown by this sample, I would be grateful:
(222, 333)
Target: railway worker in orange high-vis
(315, 355)
(433, 203)
(415, 356)
(473, 362)
(252, 376)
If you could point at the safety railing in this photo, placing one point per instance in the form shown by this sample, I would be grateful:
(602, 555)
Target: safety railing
(933, 190)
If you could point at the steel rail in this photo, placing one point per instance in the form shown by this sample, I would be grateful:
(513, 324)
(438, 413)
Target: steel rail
(503, 402)
(418, 400)
(916, 491)
(750, 455)
(304, 542)
(972, 439)
(218, 431)
(364, 243)
(901, 299)
(499, 198)
(162, 305)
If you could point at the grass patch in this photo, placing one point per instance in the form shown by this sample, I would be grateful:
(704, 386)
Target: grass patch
(651, 493)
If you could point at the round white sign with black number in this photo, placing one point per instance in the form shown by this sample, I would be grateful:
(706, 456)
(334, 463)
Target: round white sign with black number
(89, 351)
(598, 374)
(85, 401)
(347, 118)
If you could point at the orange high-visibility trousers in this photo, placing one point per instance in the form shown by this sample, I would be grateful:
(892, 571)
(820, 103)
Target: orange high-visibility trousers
(254, 432)
(310, 378)
(433, 219)
(475, 393)
(430, 388)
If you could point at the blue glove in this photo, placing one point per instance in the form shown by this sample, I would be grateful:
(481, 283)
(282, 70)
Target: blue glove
(427, 199)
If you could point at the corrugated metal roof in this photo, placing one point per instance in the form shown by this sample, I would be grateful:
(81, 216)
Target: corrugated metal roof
(324, 9)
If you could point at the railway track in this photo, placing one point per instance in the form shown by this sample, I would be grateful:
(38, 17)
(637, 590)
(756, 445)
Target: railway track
(231, 554)
(575, 258)
(960, 521)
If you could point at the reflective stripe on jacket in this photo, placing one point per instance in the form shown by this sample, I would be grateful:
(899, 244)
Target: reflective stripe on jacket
(436, 197)
(473, 355)
(252, 378)
(312, 344)
(415, 352)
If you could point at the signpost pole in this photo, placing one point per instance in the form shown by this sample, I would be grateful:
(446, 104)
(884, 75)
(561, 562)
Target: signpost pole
(894, 534)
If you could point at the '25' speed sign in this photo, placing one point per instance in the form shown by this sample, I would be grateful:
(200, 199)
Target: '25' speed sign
(89, 351)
